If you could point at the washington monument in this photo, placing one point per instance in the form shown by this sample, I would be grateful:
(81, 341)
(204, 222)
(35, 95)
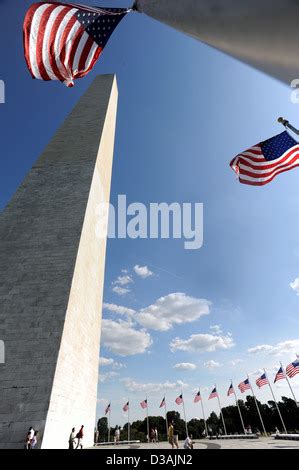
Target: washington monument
(52, 270)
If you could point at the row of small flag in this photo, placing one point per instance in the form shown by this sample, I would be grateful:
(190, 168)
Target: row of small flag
(291, 370)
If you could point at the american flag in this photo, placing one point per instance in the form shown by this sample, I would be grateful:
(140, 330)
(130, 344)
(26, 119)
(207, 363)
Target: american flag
(262, 162)
(143, 404)
(262, 380)
(213, 393)
(179, 400)
(230, 390)
(163, 403)
(244, 386)
(63, 41)
(108, 408)
(280, 375)
(126, 407)
(197, 397)
(293, 368)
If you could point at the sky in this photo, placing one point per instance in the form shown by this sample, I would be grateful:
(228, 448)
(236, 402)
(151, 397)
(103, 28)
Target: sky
(176, 319)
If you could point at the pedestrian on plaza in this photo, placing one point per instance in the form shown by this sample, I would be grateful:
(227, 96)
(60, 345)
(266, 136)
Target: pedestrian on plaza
(29, 438)
(33, 442)
(80, 436)
(72, 439)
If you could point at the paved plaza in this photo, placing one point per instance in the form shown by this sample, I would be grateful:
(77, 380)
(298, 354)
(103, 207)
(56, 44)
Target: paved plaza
(261, 443)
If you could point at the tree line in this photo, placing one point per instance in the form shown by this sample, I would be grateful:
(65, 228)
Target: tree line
(138, 429)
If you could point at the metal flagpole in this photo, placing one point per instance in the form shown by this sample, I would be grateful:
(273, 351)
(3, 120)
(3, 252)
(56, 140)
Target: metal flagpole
(287, 379)
(109, 417)
(277, 407)
(203, 413)
(287, 125)
(258, 410)
(185, 415)
(237, 403)
(166, 417)
(221, 412)
(147, 420)
(128, 420)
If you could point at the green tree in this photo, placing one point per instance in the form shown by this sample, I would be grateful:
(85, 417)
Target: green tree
(102, 429)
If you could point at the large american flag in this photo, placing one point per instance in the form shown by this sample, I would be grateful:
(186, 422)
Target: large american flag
(143, 404)
(179, 400)
(213, 393)
(280, 375)
(63, 41)
(262, 380)
(293, 368)
(197, 397)
(262, 162)
(244, 386)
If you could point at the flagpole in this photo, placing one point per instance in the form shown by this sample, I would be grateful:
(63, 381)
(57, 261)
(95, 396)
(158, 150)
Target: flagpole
(147, 420)
(258, 410)
(128, 420)
(237, 403)
(203, 413)
(277, 407)
(289, 384)
(287, 125)
(221, 411)
(166, 417)
(185, 415)
(109, 417)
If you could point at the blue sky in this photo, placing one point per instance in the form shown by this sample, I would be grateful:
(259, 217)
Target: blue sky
(184, 111)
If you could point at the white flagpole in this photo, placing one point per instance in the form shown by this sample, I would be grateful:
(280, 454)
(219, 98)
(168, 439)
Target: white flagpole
(128, 420)
(277, 407)
(258, 410)
(287, 379)
(166, 417)
(185, 415)
(147, 420)
(109, 417)
(203, 413)
(237, 403)
(221, 411)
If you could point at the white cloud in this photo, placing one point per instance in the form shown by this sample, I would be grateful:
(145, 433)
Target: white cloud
(295, 285)
(202, 343)
(119, 309)
(142, 271)
(134, 386)
(235, 362)
(107, 376)
(106, 362)
(185, 366)
(284, 347)
(173, 309)
(123, 280)
(212, 364)
(120, 290)
(124, 271)
(123, 339)
(216, 329)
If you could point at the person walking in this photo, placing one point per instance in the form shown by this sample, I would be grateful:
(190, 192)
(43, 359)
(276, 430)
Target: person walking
(170, 434)
(116, 435)
(156, 435)
(33, 442)
(72, 439)
(29, 438)
(79, 436)
(175, 436)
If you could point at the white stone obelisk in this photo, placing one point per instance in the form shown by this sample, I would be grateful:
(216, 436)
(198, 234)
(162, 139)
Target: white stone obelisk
(262, 33)
(52, 259)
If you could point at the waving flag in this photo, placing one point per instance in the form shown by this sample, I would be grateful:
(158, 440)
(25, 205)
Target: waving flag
(261, 163)
(230, 390)
(213, 393)
(108, 409)
(293, 368)
(163, 403)
(143, 404)
(126, 407)
(179, 400)
(197, 397)
(244, 386)
(280, 375)
(63, 41)
(261, 381)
